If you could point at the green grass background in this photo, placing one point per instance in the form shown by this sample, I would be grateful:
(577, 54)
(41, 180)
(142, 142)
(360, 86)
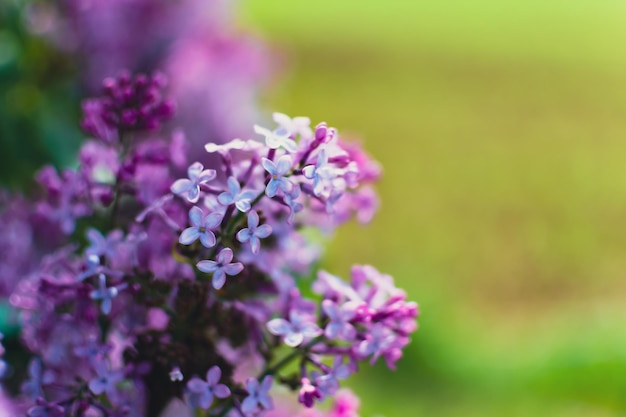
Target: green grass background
(501, 127)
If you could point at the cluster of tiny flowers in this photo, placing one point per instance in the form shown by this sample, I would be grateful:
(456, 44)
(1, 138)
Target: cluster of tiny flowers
(149, 285)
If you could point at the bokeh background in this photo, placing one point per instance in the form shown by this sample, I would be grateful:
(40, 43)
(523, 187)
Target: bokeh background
(502, 132)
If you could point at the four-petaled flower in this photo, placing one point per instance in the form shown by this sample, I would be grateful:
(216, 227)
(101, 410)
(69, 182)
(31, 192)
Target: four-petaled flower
(294, 206)
(201, 392)
(201, 228)
(258, 394)
(277, 138)
(106, 294)
(277, 175)
(253, 233)
(190, 187)
(328, 383)
(339, 326)
(106, 380)
(294, 331)
(45, 409)
(221, 267)
(234, 195)
(322, 173)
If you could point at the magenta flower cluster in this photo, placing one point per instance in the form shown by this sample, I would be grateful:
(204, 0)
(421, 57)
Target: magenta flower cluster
(154, 281)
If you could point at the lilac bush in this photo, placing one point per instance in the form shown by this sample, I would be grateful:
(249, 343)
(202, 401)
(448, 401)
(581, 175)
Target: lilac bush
(145, 280)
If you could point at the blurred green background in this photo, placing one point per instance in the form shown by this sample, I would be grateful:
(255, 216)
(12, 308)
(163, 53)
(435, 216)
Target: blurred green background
(502, 132)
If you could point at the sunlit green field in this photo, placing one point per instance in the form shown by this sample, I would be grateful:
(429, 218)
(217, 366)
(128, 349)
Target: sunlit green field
(501, 127)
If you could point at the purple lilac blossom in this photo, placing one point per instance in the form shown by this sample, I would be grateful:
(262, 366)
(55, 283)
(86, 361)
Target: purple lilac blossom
(201, 392)
(134, 349)
(190, 187)
(221, 267)
(277, 174)
(296, 330)
(201, 228)
(253, 233)
(234, 195)
(258, 395)
(105, 294)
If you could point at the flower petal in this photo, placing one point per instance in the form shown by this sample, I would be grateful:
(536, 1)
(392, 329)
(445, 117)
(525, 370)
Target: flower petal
(268, 165)
(225, 198)
(221, 391)
(188, 236)
(207, 239)
(233, 269)
(272, 188)
(195, 216)
(284, 164)
(194, 170)
(181, 186)
(255, 244)
(213, 220)
(249, 405)
(207, 266)
(243, 235)
(263, 231)
(213, 375)
(279, 327)
(225, 256)
(253, 220)
(219, 279)
(293, 339)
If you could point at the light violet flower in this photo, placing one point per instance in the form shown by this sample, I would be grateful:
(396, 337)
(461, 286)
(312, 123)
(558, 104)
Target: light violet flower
(105, 381)
(234, 195)
(201, 392)
(322, 173)
(328, 383)
(277, 138)
(294, 206)
(221, 267)
(190, 187)
(277, 175)
(45, 409)
(258, 395)
(339, 326)
(294, 331)
(106, 294)
(200, 228)
(253, 233)
(103, 246)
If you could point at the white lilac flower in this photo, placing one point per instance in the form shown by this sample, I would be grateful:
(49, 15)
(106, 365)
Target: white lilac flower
(190, 187)
(296, 125)
(201, 228)
(277, 138)
(253, 233)
(221, 267)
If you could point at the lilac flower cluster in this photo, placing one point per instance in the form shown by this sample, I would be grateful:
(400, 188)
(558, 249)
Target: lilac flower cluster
(145, 288)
